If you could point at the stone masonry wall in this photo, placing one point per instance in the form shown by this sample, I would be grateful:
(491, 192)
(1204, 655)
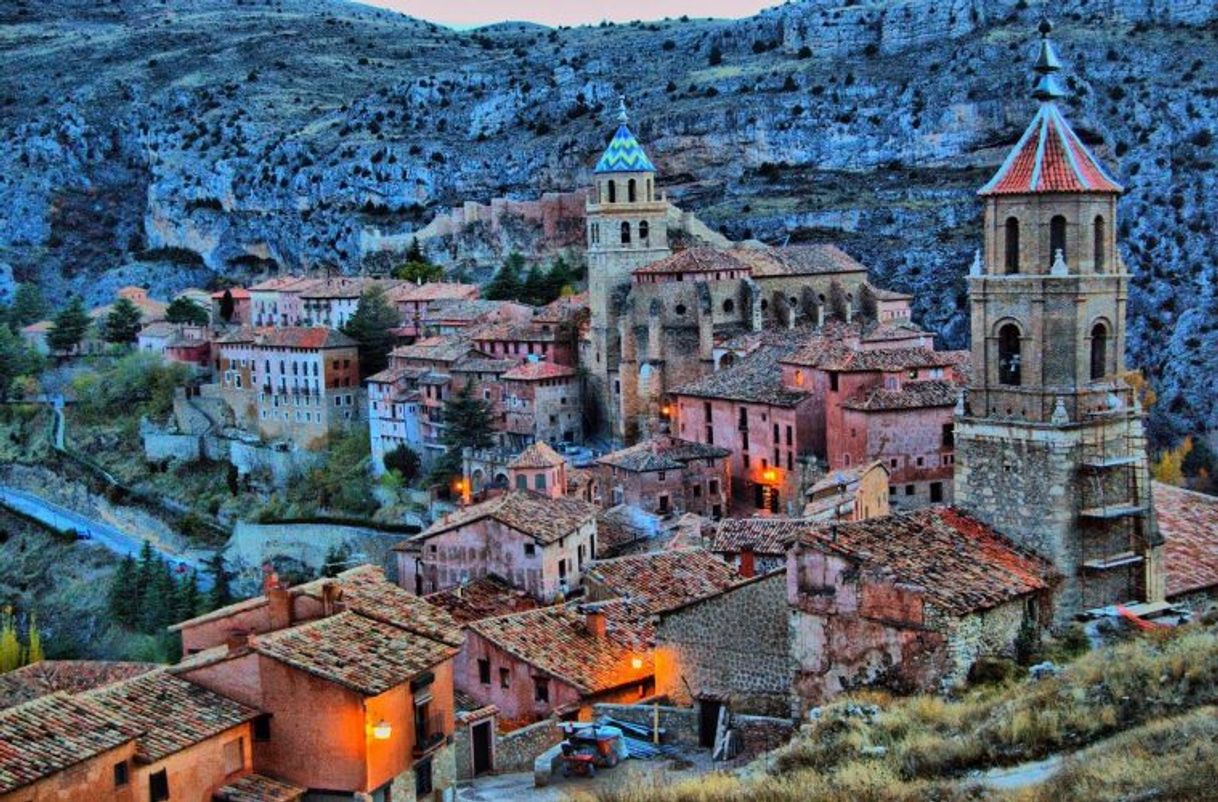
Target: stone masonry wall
(734, 646)
(516, 750)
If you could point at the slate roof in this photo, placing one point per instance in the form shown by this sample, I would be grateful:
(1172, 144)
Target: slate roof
(1050, 157)
(543, 518)
(170, 714)
(661, 453)
(537, 455)
(694, 260)
(912, 395)
(660, 580)
(257, 788)
(624, 154)
(71, 676)
(755, 379)
(556, 641)
(538, 371)
(55, 732)
(487, 597)
(1188, 522)
(349, 649)
(962, 565)
(768, 536)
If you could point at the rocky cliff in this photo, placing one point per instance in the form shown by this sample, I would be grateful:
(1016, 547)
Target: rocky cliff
(168, 142)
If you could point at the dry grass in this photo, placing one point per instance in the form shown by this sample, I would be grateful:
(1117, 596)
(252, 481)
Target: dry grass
(872, 747)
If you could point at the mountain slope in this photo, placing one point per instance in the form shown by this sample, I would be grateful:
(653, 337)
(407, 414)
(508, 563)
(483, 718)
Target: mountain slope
(167, 142)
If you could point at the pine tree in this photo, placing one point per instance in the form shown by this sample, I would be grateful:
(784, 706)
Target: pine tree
(415, 253)
(28, 306)
(506, 286)
(534, 290)
(227, 306)
(221, 591)
(144, 575)
(16, 359)
(370, 327)
(186, 598)
(123, 323)
(123, 603)
(69, 327)
(184, 310)
(10, 645)
(468, 424)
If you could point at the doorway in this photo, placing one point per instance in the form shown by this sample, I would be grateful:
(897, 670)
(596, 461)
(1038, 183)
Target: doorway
(708, 721)
(483, 755)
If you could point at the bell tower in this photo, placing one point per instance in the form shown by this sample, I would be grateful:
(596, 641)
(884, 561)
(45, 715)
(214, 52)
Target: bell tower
(1049, 438)
(627, 227)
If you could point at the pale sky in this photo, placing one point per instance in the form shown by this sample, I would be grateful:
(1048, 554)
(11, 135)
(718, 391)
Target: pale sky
(468, 13)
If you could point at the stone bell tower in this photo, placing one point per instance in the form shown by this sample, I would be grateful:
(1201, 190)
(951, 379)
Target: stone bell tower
(627, 228)
(1049, 438)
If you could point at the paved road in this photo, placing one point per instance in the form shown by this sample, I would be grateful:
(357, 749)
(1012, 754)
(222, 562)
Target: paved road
(109, 536)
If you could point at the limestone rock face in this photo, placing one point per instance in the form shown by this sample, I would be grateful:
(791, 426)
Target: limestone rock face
(309, 134)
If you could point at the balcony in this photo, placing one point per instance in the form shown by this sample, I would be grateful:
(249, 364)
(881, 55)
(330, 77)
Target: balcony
(429, 733)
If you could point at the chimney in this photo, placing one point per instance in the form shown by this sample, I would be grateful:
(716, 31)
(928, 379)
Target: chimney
(331, 592)
(270, 579)
(280, 603)
(748, 568)
(594, 620)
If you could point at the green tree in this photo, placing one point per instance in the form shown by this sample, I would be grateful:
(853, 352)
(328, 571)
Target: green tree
(227, 306)
(506, 285)
(535, 287)
(33, 642)
(342, 484)
(156, 606)
(184, 310)
(28, 306)
(370, 327)
(337, 558)
(415, 253)
(221, 592)
(869, 309)
(122, 601)
(123, 323)
(418, 272)
(403, 461)
(186, 598)
(16, 360)
(69, 327)
(468, 424)
(10, 644)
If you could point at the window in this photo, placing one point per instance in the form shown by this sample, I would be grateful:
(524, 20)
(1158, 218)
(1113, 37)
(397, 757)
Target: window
(562, 569)
(625, 233)
(742, 419)
(799, 378)
(158, 786)
(613, 192)
(1101, 238)
(936, 492)
(713, 487)
(909, 490)
(234, 756)
(644, 230)
(662, 475)
(697, 489)
(484, 670)
(631, 192)
(539, 482)
(122, 775)
(664, 504)
(729, 306)
(832, 382)
(505, 678)
(789, 436)
(949, 436)
(530, 549)
(522, 482)
(1009, 355)
(1057, 237)
(262, 728)
(1099, 351)
(541, 689)
(1012, 246)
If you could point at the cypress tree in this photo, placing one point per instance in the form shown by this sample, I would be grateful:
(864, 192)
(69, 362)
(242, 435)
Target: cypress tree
(10, 645)
(221, 592)
(370, 327)
(33, 641)
(123, 323)
(123, 602)
(227, 306)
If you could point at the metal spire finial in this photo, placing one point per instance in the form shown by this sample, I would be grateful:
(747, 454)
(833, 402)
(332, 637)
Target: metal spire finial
(622, 116)
(1048, 86)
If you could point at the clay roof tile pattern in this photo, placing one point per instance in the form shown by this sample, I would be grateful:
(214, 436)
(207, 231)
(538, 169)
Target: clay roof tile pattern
(348, 649)
(46, 736)
(661, 580)
(962, 565)
(537, 455)
(1188, 522)
(756, 379)
(555, 640)
(695, 260)
(170, 713)
(257, 788)
(487, 597)
(539, 371)
(365, 590)
(842, 356)
(661, 454)
(71, 676)
(1050, 157)
(912, 395)
(545, 519)
(768, 536)
(799, 260)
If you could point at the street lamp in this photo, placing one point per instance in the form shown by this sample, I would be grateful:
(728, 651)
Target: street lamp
(382, 730)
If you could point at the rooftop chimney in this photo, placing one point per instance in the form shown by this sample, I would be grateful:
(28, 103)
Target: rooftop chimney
(331, 592)
(748, 568)
(594, 620)
(279, 599)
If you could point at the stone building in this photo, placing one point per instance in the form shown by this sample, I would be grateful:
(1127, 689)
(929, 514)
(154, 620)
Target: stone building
(276, 301)
(542, 401)
(536, 543)
(1050, 447)
(667, 476)
(331, 302)
(660, 580)
(538, 468)
(413, 300)
(1188, 521)
(754, 545)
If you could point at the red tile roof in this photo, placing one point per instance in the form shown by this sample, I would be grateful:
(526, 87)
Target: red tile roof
(695, 260)
(537, 455)
(799, 260)
(46, 736)
(305, 337)
(912, 395)
(365, 590)
(432, 291)
(838, 355)
(661, 453)
(348, 649)
(768, 536)
(660, 580)
(1188, 522)
(487, 597)
(757, 379)
(555, 640)
(237, 293)
(257, 788)
(537, 371)
(170, 713)
(72, 676)
(1050, 157)
(962, 565)
(543, 518)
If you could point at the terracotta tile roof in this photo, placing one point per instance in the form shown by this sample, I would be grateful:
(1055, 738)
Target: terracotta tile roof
(432, 291)
(71, 676)
(46, 736)
(1050, 157)
(661, 453)
(962, 565)
(768, 536)
(537, 371)
(470, 310)
(556, 641)
(799, 260)
(845, 357)
(912, 395)
(537, 455)
(437, 349)
(545, 519)
(366, 591)
(663, 579)
(622, 525)
(756, 379)
(282, 283)
(302, 337)
(893, 330)
(237, 293)
(347, 287)
(469, 364)
(349, 649)
(695, 260)
(512, 332)
(170, 713)
(1188, 522)
(487, 597)
(394, 375)
(257, 788)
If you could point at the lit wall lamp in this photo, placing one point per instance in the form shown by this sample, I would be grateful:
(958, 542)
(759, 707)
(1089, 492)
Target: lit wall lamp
(382, 730)
(636, 663)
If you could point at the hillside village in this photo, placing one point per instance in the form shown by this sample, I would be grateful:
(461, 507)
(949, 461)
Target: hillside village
(709, 490)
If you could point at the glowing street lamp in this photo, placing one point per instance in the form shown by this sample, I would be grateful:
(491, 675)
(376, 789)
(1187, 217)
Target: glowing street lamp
(382, 730)
(636, 663)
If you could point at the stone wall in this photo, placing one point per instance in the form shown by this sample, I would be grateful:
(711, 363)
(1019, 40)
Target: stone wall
(989, 633)
(516, 750)
(282, 466)
(734, 646)
(252, 544)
